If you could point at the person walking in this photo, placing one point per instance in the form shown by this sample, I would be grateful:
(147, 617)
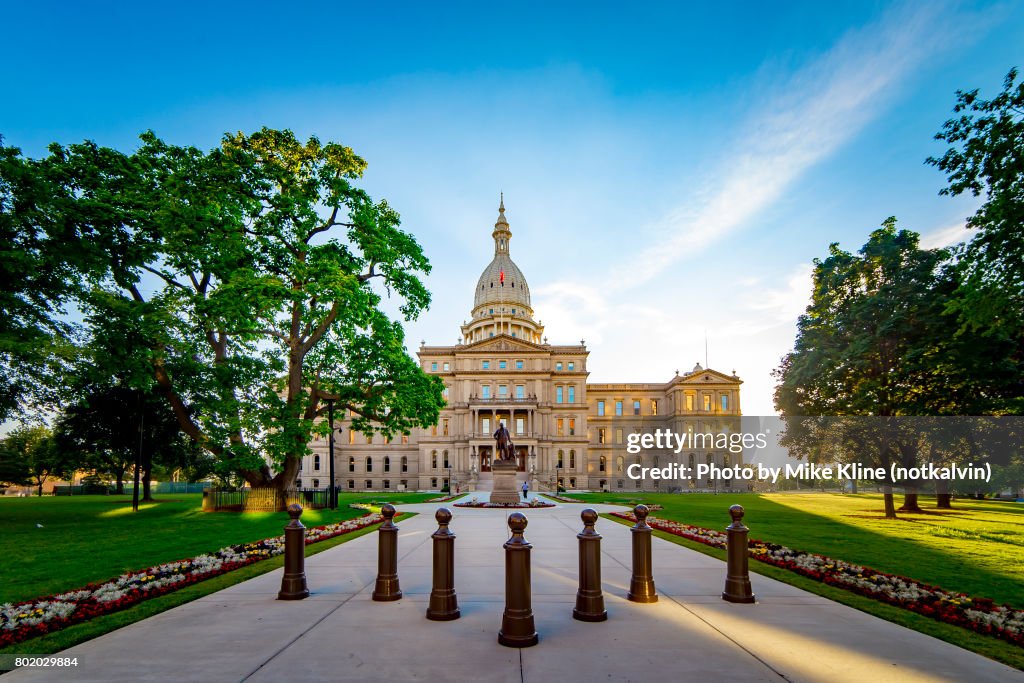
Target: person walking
(526, 490)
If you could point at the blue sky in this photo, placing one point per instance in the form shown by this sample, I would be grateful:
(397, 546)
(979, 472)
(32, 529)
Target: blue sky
(667, 170)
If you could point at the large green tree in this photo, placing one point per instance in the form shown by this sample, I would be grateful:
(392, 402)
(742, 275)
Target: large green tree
(878, 340)
(986, 158)
(247, 283)
(114, 426)
(40, 455)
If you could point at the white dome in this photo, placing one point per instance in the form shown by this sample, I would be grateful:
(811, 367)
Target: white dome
(491, 288)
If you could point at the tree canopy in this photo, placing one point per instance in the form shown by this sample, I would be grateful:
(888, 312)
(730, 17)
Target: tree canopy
(986, 157)
(245, 283)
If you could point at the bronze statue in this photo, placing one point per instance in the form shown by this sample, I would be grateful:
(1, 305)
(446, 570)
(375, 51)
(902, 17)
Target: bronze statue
(504, 449)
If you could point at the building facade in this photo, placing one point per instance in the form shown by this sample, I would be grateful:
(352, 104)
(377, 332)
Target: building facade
(566, 431)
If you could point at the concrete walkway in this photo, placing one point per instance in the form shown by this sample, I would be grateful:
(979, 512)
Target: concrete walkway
(339, 634)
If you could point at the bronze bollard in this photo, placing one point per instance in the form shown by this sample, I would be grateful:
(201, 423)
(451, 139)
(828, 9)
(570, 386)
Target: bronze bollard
(641, 584)
(293, 584)
(589, 598)
(386, 588)
(444, 606)
(517, 628)
(737, 573)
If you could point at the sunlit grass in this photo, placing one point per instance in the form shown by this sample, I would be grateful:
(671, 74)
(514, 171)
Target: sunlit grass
(50, 545)
(976, 548)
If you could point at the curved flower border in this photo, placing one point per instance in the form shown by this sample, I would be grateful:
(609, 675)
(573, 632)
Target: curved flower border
(24, 620)
(978, 614)
(532, 504)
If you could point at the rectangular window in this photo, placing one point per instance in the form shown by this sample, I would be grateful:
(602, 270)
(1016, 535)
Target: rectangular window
(487, 365)
(600, 408)
(503, 390)
(601, 435)
(520, 425)
(636, 407)
(444, 393)
(707, 402)
(387, 483)
(433, 366)
(725, 402)
(520, 391)
(445, 427)
(502, 365)
(572, 427)
(519, 365)
(559, 426)
(689, 401)
(369, 438)
(351, 437)
(558, 366)
(572, 366)
(447, 367)
(654, 407)
(618, 407)
(618, 436)
(433, 430)
(485, 391)
(405, 438)
(486, 425)
(558, 394)
(572, 394)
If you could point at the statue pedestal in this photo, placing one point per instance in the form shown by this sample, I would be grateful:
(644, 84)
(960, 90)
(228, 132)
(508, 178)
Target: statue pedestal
(505, 490)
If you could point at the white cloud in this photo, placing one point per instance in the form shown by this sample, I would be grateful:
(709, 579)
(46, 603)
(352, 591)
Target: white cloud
(946, 237)
(820, 108)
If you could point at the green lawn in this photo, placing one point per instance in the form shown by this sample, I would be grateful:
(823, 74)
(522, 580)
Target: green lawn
(85, 539)
(976, 548)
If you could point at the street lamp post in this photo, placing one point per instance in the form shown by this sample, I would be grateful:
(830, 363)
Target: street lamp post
(333, 490)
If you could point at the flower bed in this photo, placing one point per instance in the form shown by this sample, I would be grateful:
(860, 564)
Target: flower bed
(25, 620)
(474, 503)
(978, 614)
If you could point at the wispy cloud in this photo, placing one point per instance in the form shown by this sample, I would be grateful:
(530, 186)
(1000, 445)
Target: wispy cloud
(946, 237)
(816, 111)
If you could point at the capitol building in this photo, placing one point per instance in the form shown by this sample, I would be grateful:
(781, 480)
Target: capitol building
(567, 432)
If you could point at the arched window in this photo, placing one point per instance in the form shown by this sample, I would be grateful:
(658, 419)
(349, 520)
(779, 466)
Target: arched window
(387, 463)
(710, 459)
(316, 463)
(316, 483)
(693, 462)
(656, 459)
(620, 464)
(560, 464)
(405, 464)
(572, 462)
(351, 464)
(602, 466)
(433, 460)
(725, 460)
(445, 455)
(369, 464)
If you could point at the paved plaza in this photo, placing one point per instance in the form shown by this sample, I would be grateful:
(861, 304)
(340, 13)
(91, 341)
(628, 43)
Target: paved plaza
(338, 634)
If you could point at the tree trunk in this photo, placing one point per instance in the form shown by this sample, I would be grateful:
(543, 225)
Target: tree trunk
(890, 505)
(943, 498)
(910, 500)
(119, 490)
(39, 490)
(147, 476)
(853, 486)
